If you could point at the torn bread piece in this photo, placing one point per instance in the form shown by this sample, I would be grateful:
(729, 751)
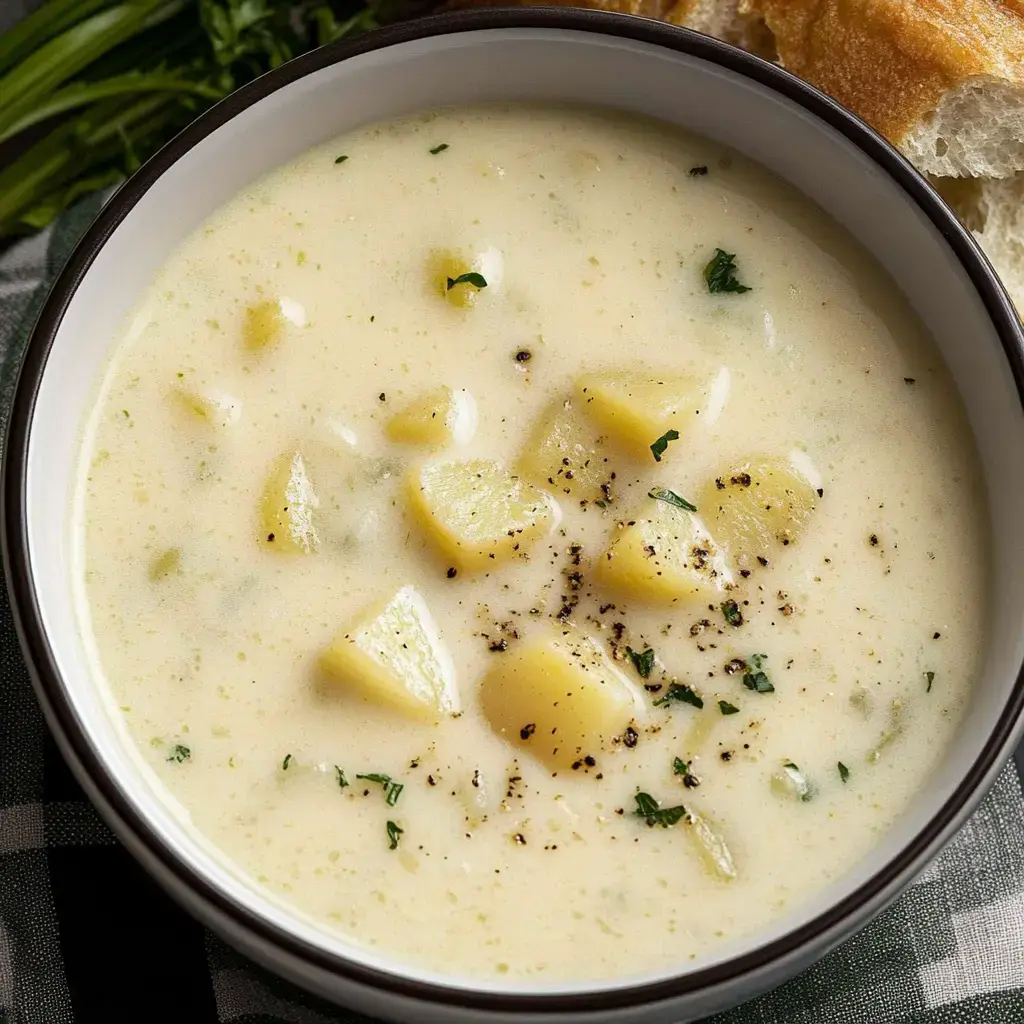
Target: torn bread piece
(942, 79)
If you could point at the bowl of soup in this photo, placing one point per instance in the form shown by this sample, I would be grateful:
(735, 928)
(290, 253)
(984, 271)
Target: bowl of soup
(515, 517)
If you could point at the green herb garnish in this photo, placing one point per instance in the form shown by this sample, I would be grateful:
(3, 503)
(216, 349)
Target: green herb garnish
(654, 814)
(179, 753)
(732, 613)
(659, 446)
(727, 709)
(287, 761)
(392, 789)
(757, 680)
(476, 280)
(341, 159)
(720, 274)
(682, 693)
(439, 149)
(643, 663)
(670, 497)
(393, 833)
(342, 778)
(930, 676)
(844, 772)
(680, 767)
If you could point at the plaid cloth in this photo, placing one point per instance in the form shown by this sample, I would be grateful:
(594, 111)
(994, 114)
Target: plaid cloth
(86, 937)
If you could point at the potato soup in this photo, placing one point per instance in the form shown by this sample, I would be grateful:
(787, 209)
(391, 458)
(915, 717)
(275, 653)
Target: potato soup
(532, 543)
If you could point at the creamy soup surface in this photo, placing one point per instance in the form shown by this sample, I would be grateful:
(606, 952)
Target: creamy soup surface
(367, 491)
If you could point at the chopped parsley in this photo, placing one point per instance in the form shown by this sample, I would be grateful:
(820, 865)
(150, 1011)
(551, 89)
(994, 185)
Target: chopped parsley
(930, 676)
(754, 679)
(682, 693)
(728, 709)
(393, 835)
(439, 149)
(179, 753)
(643, 663)
(654, 814)
(659, 446)
(341, 159)
(670, 497)
(342, 778)
(844, 772)
(476, 280)
(287, 761)
(720, 274)
(732, 613)
(392, 789)
(682, 769)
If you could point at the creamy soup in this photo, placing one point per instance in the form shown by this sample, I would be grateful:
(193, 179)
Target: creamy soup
(531, 543)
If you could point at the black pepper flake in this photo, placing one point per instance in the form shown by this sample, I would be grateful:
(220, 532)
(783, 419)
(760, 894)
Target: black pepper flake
(527, 731)
(697, 172)
(524, 355)
(821, 492)
(909, 380)
(726, 755)
(630, 737)
(519, 839)
(452, 573)
(431, 781)
(873, 540)
(497, 646)
(935, 636)
(589, 761)
(734, 666)
(763, 562)
(270, 537)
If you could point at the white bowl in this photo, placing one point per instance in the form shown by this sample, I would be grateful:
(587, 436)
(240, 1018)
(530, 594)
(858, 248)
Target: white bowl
(540, 55)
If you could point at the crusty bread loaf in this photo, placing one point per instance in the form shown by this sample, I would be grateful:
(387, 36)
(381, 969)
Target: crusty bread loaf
(994, 210)
(943, 79)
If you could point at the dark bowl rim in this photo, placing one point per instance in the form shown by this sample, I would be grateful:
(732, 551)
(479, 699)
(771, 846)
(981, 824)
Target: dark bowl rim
(811, 938)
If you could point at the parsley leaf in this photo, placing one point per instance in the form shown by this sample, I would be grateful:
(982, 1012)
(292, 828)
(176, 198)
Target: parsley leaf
(682, 693)
(844, 772)
(439, 149)
(732, 613)
(392, 789)
(179, 753)
(680, 767)
(727, 709)
(341, 159)
(757, 680)
(654, 814)
(659, 446)
(643, 663)
(287, 761)
(393, 834)
(342, 778)
(670, 497)
(720, 274)
(476, 280)
(930, 676)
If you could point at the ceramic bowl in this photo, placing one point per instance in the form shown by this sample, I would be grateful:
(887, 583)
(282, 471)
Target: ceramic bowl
(538, 55)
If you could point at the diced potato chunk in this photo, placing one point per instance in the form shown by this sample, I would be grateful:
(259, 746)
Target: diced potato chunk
(665, 556)
(563, 453)
(757, 507)
(635, 409)
(435, 418)
(559, 696)
(262, 325)
(287, 507)
(445, 267)
(393, 654)
(476, 513)
(209, 405)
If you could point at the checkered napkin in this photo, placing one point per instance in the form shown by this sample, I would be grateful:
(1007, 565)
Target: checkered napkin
(86, 938)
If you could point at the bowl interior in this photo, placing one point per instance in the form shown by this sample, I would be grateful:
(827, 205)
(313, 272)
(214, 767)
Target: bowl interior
(536, 64)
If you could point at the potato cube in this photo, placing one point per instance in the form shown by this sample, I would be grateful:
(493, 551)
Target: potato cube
(393, 654)
(208, 405)
(559, 696)
(435, 418)
(262, 325)
(710, 847)
(287, 508)
(635, 409)
(456, 278)
(477, 514)
(758, 507)
(664, 556)
(563, 453)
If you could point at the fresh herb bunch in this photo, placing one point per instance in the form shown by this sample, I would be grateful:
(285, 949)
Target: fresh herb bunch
(91, 88)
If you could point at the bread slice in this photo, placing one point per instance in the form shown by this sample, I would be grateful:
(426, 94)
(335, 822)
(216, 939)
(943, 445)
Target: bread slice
(943, 79)
(994, 210)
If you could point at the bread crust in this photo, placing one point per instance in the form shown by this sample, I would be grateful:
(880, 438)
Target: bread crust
(892, 61)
